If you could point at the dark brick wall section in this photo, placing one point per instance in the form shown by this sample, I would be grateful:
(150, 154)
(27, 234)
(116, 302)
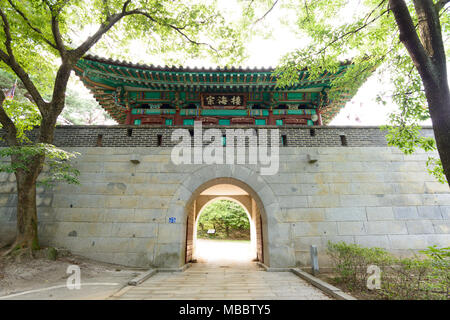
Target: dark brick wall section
(147, 136)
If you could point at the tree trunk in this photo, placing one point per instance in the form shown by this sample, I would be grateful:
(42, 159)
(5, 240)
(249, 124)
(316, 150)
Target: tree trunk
(428, 56)
(27, 222)
(439, 106)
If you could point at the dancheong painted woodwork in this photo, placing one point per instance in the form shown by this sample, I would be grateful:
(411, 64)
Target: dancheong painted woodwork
(173, 96)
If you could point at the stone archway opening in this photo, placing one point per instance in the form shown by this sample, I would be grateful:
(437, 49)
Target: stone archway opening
(233, 232)
(237, 192)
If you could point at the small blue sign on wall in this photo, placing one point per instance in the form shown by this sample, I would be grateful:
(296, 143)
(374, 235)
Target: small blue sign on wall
(172, 220)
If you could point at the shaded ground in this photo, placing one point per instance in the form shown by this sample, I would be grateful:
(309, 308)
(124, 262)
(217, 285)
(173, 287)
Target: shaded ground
(98, 280)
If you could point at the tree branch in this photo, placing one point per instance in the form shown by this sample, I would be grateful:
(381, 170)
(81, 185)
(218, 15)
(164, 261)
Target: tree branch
(267, 12)
(430, 30)
(249, 6)
(306, 9)
(51, 7)
(366, 23)
(7, 123)
(7, 30)
(24, 77)
(58, 38)
(408, 36)
(374, 9)
(63, 74)
(55, 27)
(113, 19)
(90, 41)
(177, 29)
(106, 8)
(441, 4)
(10, 60)
(125, 6)
(28, 22)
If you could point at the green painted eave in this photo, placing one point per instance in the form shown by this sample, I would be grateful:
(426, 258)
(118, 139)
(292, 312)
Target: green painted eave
(104, 76)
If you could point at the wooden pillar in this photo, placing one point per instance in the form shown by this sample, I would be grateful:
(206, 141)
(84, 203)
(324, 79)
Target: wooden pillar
(178, 121)
(190, 233)
(259, 234)
(128, 119)
(271, 120)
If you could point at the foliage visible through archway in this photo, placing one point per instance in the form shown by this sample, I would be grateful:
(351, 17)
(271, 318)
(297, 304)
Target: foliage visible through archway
(227, 218)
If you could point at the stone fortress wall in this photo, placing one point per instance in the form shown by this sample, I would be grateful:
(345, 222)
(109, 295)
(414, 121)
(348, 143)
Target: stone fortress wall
(359, 191)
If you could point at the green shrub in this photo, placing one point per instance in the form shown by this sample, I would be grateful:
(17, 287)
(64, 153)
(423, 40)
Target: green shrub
(407, 279)
(351, 262)
(52, 254)
(439, 278)
(401, 278)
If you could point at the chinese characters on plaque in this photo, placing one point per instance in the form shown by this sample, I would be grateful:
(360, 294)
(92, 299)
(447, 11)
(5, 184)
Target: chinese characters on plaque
(227, 100)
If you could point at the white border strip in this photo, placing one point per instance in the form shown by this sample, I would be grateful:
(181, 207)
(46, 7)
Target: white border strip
(58, 287)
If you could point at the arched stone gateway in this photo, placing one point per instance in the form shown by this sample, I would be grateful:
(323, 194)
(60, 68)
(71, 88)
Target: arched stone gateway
(132, 205)
(177, 250)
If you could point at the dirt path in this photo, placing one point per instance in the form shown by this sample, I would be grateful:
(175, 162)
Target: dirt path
(34, 276)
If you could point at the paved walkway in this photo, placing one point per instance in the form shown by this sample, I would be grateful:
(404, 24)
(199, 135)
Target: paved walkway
(223, 279)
